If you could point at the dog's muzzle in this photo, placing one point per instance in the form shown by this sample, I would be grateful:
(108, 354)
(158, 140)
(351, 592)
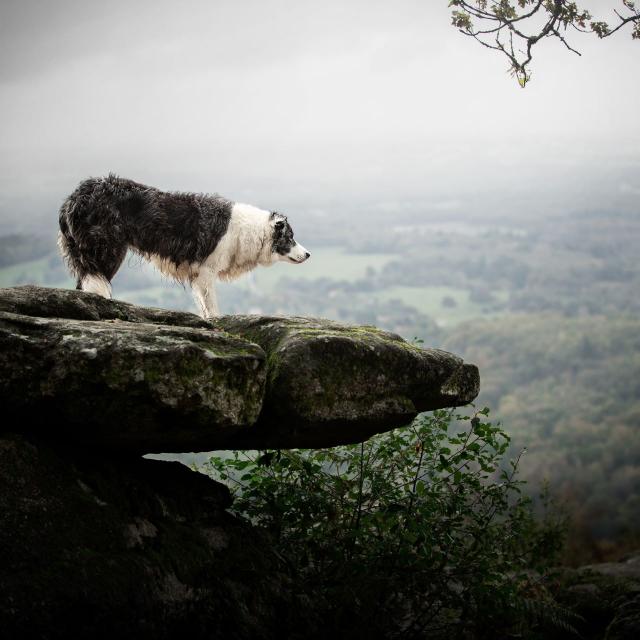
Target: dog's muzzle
(298, 254)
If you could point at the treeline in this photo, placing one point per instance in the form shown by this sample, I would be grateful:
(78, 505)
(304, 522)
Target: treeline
(575, 265)
(568, 389)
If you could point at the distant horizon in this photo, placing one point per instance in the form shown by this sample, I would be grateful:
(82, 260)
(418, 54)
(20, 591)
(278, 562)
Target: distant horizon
(610, 190)
(306, 107)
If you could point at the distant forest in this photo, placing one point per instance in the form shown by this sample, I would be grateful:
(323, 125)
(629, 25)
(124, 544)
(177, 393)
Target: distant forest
(546, 305)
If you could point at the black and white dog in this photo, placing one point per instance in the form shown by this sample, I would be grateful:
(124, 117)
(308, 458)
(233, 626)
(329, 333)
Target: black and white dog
(194, 238)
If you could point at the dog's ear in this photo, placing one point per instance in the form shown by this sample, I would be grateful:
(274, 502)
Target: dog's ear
(279, 219)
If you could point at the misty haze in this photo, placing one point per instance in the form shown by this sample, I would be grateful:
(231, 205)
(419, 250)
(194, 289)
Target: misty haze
(438, 199)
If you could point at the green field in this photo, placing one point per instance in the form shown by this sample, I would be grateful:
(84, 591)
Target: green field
(33, 272)
(325, 262)
(428, 300)
(335, 263)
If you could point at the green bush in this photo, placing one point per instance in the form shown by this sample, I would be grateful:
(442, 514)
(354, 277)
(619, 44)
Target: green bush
(416, 531)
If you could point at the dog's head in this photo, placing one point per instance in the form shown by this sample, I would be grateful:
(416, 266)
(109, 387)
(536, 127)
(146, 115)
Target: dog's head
(283, 246)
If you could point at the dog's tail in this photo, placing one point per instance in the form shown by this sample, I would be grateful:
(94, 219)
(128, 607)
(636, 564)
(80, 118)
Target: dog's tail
(68, 247)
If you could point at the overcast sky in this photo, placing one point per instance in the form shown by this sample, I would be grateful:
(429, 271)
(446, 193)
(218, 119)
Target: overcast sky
(304, 104)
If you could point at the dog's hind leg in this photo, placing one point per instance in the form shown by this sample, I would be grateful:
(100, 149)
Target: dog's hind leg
(204, 292)
(95, 283)
(93, 236)
(98, 269)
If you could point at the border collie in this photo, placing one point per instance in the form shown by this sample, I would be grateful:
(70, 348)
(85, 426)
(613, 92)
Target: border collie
(191, 237)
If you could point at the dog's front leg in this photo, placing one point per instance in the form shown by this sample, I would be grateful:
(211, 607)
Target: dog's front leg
(205, 293)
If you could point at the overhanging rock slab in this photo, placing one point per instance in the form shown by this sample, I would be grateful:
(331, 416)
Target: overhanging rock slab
(329, 383)
(110, 374)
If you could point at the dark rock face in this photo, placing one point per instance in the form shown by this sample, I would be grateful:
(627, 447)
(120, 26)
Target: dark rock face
(606, 596)
(146, 380)
(141, 549)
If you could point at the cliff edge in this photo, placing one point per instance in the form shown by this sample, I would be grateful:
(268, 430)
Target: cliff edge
(98, 542)
(140, 380)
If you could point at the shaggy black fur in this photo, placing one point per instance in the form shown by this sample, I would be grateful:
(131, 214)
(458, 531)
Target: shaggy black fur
(283, 240)
(104, 217)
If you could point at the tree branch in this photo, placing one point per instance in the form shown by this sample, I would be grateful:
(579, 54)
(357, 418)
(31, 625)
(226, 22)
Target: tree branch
(486, 20)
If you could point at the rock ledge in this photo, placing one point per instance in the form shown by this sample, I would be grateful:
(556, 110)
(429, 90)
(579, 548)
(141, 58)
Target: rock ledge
(110, 374)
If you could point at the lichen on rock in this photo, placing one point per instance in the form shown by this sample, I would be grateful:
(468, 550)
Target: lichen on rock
(128, 385)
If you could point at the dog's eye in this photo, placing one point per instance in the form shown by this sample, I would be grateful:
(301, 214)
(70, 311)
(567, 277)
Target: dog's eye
(280, 225)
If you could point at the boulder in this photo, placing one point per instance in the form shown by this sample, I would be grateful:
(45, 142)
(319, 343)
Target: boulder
(113, 375)
(605, 597)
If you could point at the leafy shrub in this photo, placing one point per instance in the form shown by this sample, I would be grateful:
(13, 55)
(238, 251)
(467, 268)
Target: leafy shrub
(415, 531)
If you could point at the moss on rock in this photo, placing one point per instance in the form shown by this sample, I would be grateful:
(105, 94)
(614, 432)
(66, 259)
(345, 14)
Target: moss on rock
(329, 383)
